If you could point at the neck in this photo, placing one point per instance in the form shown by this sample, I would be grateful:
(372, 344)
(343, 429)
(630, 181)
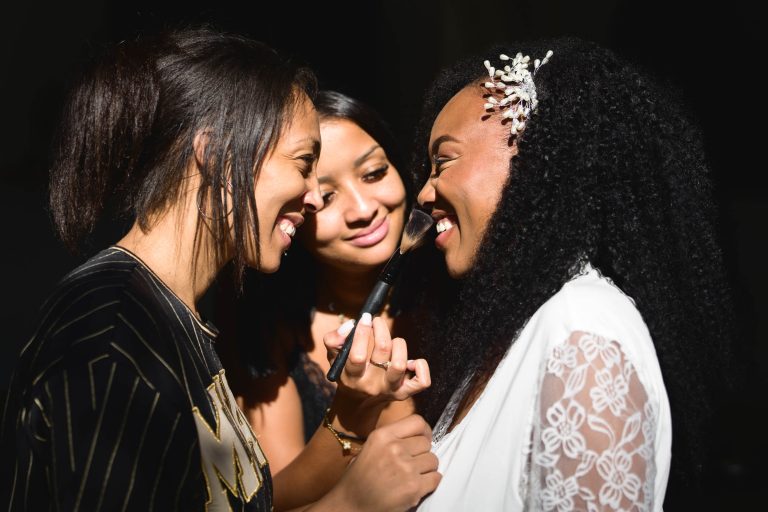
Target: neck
(168, 249)
(345, 289)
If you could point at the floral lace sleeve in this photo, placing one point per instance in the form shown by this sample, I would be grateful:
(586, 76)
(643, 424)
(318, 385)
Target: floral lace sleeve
(592, 443)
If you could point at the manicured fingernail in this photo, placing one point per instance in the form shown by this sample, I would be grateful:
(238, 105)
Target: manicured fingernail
(346, 327)
(366, 319)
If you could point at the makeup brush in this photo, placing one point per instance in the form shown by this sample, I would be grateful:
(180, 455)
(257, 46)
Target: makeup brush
(417, 226)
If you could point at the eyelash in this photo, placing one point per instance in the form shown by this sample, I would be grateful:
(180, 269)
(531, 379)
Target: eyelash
(306, 171)
(376, 174)
(371, 177)
(328, 197)
(438, 162)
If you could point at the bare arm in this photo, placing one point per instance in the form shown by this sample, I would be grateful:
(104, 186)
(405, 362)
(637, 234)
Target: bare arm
(277, 424)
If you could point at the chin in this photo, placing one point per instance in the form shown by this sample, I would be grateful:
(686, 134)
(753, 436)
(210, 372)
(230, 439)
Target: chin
(269, 263)
(456, 269)
(269, 268)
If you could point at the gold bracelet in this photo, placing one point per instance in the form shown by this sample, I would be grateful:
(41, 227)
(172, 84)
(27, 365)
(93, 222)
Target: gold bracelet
(345, 440)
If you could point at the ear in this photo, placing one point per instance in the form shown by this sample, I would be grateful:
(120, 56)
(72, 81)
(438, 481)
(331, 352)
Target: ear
(199, 145)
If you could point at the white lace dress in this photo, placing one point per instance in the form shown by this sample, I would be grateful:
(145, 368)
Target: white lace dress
(575, 417)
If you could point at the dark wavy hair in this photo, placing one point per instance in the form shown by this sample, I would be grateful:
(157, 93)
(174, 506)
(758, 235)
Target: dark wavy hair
(127, 132)
(609, 168)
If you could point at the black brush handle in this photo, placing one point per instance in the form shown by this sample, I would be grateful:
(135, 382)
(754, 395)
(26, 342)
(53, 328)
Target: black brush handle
(373, 305)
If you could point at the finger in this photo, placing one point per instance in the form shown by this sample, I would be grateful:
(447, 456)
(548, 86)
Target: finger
(417, 383)
(382, 342)
(333, 340)
(399, 361)
(413, 425)
(416, 445)
(428, 482)
(425, 462)
(358, 354)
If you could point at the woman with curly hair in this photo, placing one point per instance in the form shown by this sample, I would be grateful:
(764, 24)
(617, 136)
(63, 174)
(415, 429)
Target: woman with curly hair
(589, 316)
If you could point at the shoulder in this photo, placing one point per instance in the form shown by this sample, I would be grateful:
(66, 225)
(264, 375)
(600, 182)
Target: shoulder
(104, 308)
(591, 302)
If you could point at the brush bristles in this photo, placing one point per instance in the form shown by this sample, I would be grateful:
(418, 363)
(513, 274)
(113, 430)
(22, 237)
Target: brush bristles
(417, 226)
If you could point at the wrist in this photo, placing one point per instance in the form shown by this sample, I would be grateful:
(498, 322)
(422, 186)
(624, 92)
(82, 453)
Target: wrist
(350, 444)
(355, 417)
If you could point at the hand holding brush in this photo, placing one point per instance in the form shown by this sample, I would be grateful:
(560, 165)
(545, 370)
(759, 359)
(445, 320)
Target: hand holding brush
(417, 226)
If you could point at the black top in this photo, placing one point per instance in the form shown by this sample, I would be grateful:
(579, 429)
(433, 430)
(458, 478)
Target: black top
(119, 402)
(315, 391)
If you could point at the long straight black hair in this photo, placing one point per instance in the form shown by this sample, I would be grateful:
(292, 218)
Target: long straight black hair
(127, 133)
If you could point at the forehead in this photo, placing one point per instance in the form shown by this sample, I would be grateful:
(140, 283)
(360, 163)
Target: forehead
(464, 115)
(301, 121)
(344, 135)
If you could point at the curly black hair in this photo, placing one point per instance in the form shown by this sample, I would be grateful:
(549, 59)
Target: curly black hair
(609, 168)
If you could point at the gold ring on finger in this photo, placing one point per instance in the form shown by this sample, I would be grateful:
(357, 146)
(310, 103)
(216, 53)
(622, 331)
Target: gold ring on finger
(384, 366)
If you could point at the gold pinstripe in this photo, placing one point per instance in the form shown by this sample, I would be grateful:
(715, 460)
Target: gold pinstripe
(105, 481)
(135, 365)
(138, 452)
(95, 438)
(90, 376)
(149, 347)
(69, 423)
(85, 315)
(42, 412)
(45, 370)
(162, 462)
(91, 336)
(26, 484)
(13, 487)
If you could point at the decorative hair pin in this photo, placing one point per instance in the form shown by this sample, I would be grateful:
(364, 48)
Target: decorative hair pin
(515, 81)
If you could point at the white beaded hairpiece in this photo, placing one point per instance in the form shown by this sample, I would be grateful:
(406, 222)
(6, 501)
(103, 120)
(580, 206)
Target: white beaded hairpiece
(516, 83)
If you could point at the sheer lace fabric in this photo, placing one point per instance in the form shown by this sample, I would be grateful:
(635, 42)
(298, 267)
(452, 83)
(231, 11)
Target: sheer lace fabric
(593, 437)
(575, 416)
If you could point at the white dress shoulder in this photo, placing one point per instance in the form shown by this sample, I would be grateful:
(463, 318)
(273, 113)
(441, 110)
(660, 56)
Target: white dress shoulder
(575, 417)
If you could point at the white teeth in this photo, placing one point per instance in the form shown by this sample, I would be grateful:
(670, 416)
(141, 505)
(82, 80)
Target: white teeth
(444, 224)
(287, 227)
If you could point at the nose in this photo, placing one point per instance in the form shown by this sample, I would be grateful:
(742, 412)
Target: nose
(313, 199)
(359, 205)
(426, 195)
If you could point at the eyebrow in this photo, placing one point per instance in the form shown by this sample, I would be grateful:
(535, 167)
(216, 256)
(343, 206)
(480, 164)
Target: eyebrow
(438, 141)
(301, 143)
(362, 158)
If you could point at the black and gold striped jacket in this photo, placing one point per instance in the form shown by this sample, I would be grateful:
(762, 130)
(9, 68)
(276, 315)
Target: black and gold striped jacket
(119, 402)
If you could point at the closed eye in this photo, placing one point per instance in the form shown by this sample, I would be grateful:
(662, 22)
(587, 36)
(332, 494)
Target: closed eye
(438, 164)
(307, 164)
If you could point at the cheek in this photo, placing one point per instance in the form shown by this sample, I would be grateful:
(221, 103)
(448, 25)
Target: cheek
(323, 228)
(394, 196)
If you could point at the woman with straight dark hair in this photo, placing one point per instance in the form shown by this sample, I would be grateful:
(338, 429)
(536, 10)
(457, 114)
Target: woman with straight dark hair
(272, 337)
(207, 143)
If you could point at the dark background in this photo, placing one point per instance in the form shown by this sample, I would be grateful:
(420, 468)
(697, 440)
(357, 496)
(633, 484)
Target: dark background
(385, 53)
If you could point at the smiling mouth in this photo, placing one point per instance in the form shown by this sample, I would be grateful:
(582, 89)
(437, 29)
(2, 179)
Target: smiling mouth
(287, 227)
(288, 223)
(371, 236)
(444, 225)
